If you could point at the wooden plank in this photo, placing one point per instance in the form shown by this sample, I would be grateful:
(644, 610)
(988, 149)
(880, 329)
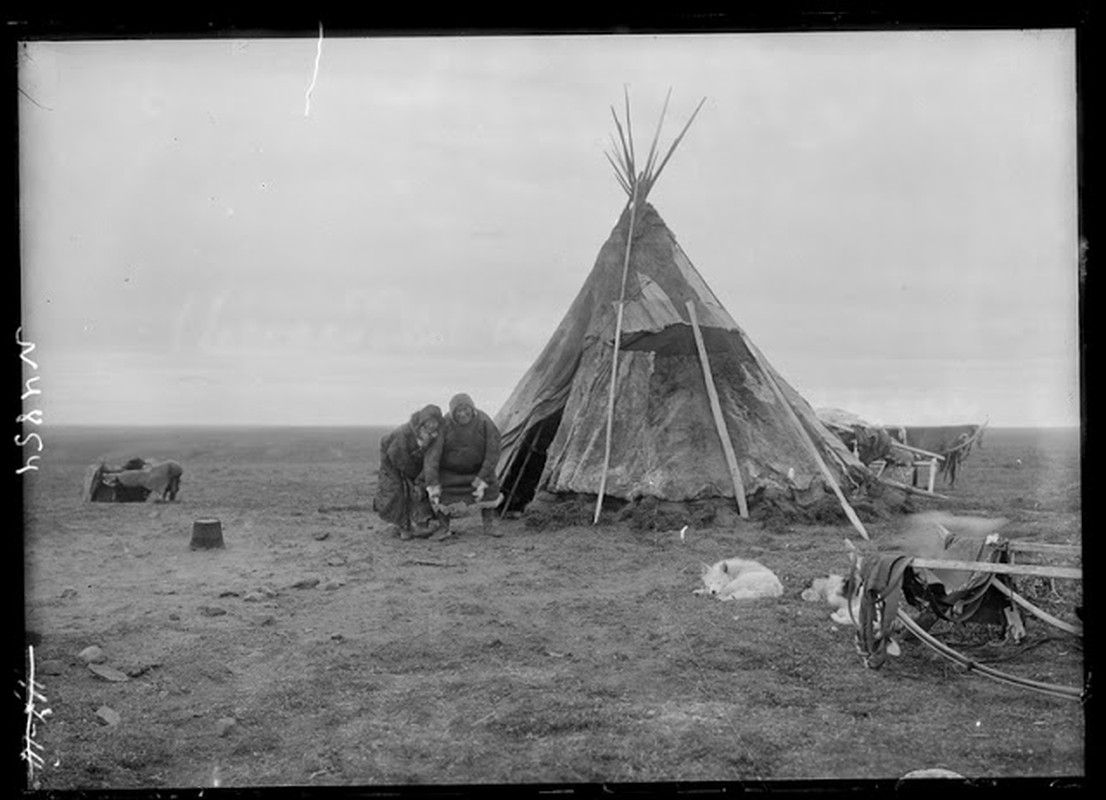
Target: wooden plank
(918, 450)
(1045, 548)
(716, 410)
(913, 489)
(932, 475)
(1074, 573)
(849, 512)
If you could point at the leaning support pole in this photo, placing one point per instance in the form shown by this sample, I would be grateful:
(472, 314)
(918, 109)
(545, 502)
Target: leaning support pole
(614, 361)
(853, 518)
(716, 410)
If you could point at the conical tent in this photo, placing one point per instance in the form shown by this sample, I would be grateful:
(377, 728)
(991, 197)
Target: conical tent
(661, 433)
(665, 442)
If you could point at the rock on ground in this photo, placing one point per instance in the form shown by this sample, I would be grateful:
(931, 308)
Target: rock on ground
(92, 655)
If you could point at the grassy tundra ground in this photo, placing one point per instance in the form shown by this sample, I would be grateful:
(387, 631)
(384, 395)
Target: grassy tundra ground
(313, 651)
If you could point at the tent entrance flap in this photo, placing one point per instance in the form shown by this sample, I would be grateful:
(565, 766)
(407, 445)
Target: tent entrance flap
(520, 481)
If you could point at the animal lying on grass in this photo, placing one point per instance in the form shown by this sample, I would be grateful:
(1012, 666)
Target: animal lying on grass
(831, 589)
(161, 480)
(920, 535)
(846, 610)
(739, 579)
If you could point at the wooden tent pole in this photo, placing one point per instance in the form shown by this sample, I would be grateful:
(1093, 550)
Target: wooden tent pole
(638, 185)
(614, 360)
(716, 410)
(849, 512)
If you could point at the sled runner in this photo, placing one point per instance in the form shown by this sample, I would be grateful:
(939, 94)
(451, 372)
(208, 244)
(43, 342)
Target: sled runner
(973, 584)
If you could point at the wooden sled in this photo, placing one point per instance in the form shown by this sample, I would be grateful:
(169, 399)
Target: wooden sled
(1009, 567)
(921, 583)
(919, 460)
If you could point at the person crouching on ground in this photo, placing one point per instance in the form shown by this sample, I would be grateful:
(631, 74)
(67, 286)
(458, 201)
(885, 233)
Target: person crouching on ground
(401, 497)
(461, 464)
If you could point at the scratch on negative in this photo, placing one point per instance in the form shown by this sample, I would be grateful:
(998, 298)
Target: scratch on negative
(315, 74)
(40, 105)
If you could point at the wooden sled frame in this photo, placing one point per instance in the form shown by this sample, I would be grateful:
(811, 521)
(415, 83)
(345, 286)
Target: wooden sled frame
(1012, 568)
(1013, 617)
(919, 459)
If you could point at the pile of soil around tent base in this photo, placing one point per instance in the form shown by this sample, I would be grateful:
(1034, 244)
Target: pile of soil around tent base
(775, 509)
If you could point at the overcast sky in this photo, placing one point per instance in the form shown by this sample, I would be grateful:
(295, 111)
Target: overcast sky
(892, 217)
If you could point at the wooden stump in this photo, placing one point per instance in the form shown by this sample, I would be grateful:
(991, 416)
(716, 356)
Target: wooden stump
(207, 533)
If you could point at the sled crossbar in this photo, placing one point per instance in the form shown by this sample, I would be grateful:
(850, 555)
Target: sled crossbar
(1045, 548)
(1074, 573)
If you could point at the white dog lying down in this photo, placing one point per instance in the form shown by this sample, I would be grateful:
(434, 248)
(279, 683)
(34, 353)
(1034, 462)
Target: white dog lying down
(831, 589)
(739, 579)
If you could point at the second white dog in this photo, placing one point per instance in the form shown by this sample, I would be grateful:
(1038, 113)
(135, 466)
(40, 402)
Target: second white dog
(832, 590)
(739, 579)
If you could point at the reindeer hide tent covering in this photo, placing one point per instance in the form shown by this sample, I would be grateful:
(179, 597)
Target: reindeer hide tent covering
(664, 442)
